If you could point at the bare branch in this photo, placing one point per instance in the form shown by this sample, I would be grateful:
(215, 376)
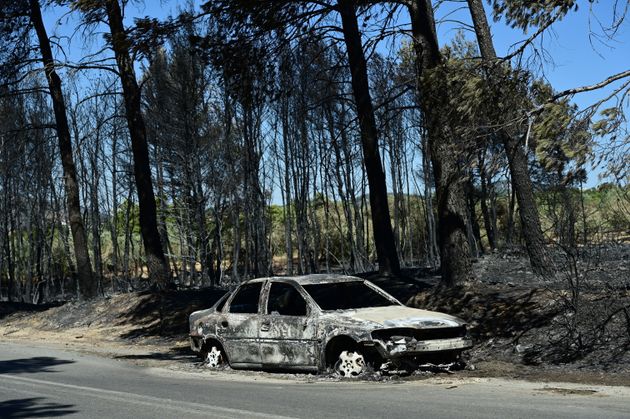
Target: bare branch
(611, 79)
(582, 89)
(531, 39)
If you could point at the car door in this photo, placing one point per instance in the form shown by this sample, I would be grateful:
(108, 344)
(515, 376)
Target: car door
(287, 333)
(239, 325)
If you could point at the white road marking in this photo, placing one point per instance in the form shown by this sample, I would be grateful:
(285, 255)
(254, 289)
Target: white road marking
(126, 397)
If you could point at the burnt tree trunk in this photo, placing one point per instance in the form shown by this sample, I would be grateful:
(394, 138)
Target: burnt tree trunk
(451, 200)
(381, 221)
(509, 235)
(87, 286)
(155, 259)
(517, 160)
(432, 250)
(487, 218)
(286, 195)
(7, 250)
(113, 221)
(472, 216)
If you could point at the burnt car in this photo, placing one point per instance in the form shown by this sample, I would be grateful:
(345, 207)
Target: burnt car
(319, 323)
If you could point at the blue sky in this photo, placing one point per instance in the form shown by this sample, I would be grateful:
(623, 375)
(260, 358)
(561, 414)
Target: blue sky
(574, 58)
(577, 53)
(575, 61)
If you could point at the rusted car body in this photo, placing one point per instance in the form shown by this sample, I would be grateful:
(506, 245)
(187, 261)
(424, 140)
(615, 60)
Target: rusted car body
(316, 322)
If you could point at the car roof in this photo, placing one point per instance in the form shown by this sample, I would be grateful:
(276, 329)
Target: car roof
(309, 279)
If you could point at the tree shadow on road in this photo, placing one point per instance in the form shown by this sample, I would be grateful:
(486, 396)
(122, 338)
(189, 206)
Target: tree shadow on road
(176, 353)
(35, 364)
(34, 407)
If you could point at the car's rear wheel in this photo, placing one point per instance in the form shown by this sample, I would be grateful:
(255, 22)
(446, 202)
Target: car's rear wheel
(350, 364)
(213, 356)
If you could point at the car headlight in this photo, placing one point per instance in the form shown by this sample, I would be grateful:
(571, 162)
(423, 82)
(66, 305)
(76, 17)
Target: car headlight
(200, 329)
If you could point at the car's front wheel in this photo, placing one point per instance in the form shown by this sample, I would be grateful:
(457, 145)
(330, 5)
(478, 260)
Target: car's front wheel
(350, 364)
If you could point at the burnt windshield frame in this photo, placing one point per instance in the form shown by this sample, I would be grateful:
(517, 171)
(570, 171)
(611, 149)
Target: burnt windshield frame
(347, 295)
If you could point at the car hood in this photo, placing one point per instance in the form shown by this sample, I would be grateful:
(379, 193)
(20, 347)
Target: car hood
(401, 316)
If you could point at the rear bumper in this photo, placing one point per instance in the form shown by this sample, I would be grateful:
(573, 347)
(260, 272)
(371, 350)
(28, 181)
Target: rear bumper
(196, 342)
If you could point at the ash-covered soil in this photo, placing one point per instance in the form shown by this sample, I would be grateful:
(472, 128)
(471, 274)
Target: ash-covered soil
(574, 328)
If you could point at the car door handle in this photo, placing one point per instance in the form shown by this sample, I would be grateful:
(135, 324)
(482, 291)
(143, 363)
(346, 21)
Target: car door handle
(265, 326)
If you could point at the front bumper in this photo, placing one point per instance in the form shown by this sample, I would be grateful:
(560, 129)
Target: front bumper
(418, 348)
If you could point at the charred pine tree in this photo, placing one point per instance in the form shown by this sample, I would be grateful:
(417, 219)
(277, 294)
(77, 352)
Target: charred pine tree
(87, 286)
(286, 80)
(381, 221)
(114, 219)
(447, 171)
(154, 252)
(517, 160)
(432, 246)
(343, 149)
(474, 229)
(489, 221)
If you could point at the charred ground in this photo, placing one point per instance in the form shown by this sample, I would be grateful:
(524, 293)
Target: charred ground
(574, 328)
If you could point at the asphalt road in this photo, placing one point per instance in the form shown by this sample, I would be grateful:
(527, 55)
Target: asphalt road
(48, 382)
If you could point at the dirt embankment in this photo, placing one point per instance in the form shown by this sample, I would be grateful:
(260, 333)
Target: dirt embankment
(523, 327)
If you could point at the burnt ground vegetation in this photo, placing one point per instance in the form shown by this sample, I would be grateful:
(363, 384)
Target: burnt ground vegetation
(575, 327)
